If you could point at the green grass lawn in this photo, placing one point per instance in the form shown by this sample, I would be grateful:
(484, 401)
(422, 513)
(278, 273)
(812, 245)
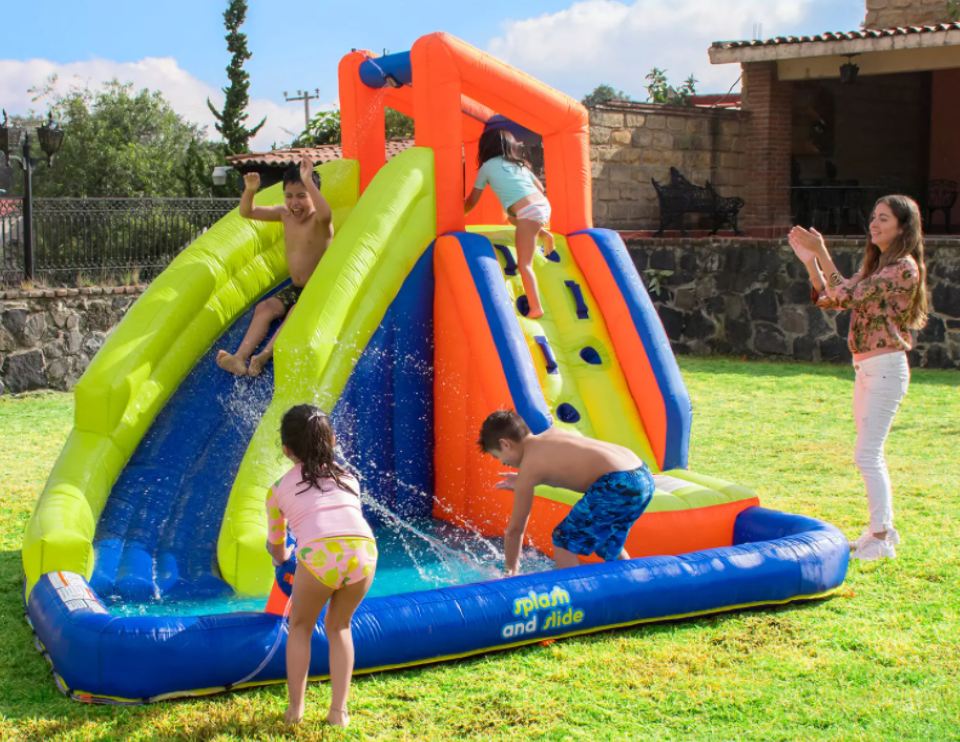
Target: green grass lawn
(878, 661)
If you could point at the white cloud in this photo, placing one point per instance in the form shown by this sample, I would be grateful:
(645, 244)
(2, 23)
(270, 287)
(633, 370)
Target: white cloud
(185, 93)
(618, 43)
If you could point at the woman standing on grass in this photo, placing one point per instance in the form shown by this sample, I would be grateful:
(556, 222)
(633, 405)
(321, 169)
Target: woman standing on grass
(887, 298)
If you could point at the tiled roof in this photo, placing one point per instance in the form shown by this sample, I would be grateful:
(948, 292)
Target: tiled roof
(716, 100)
(324, 153)
(713, 101)
(868, 33)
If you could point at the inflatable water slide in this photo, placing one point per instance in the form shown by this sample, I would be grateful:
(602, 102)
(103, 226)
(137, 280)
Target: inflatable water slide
(411, 331)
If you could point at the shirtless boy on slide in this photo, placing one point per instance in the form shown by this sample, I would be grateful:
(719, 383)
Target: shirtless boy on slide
(307, 232)
(617, 486)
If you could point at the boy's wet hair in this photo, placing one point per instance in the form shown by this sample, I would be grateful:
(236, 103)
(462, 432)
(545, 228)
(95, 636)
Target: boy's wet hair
(501, 424)
(291, 176)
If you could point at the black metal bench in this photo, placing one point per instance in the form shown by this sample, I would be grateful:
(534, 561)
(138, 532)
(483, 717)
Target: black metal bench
(941, 196)
(680, 197)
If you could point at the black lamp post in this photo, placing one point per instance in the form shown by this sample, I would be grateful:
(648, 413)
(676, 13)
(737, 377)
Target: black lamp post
(15, 145)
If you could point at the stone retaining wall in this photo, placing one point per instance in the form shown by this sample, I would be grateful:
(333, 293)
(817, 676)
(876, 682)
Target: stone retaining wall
(47, 338)
(752, 297)
(726, 296)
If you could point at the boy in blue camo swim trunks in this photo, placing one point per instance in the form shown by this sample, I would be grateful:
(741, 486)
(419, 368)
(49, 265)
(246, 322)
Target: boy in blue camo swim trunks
(617, 487)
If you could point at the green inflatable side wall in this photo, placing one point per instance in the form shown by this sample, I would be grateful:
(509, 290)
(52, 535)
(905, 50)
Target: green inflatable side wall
(152, 350)
(339, 311)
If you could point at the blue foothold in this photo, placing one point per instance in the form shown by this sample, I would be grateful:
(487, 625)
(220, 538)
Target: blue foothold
(568, 413)
(591, 356)
(553, 257)
(523, 305)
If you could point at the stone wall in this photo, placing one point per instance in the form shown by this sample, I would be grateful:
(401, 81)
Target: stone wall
(47, 338)
(752, 297)
(726, 296)
(895, 13)
(630, 143)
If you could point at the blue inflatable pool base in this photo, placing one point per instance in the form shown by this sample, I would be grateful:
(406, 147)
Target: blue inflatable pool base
(776, 558)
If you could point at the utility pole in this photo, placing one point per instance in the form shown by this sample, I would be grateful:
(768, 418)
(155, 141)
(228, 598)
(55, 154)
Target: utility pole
(306, 98)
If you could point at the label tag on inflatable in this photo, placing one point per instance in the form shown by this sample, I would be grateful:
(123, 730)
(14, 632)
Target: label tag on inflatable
(542, 611)
(76, 595)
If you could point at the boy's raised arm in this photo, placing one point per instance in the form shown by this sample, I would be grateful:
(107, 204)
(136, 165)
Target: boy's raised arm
(324, 212)
(251, 182)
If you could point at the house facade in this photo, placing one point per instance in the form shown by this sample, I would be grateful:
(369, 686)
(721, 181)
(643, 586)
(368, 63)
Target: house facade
(834, 120)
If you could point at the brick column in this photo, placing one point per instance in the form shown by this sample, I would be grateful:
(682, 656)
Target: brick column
(768, 128)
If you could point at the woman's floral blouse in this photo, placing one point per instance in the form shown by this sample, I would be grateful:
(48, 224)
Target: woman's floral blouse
(878, 304)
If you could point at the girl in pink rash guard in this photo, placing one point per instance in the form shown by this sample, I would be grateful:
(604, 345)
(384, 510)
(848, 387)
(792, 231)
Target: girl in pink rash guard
(336, 553)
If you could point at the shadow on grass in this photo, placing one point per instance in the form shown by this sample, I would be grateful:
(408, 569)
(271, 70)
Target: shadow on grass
(786, 368)
(212, 718)
(26, 682)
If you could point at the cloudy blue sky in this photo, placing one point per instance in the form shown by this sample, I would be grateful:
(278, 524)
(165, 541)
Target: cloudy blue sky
(178, 47)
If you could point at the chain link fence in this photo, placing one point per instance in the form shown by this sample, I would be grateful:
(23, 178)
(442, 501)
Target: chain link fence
(83, 241)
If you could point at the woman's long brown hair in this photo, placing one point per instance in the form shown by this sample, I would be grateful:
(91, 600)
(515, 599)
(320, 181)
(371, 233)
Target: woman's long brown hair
(307, 432)
(908, 242)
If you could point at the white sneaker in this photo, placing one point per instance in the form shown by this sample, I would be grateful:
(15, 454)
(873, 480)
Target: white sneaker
(873, 548)
(893, 538)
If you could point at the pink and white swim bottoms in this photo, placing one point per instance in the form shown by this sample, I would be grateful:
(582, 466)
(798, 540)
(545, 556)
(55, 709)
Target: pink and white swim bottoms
(536, 212)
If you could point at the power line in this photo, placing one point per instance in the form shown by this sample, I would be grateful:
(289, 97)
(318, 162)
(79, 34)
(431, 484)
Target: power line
(306, 98)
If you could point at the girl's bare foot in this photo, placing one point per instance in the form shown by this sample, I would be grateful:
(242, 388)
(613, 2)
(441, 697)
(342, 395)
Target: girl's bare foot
(258, 362)
(535, 314)
(548, 244)
(292, 715)
(338, 718)
(231, 363)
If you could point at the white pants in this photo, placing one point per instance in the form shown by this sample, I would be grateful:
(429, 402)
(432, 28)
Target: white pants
(880, 387)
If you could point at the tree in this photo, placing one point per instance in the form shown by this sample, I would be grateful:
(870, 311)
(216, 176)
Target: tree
(603, 94)
(124, 144)
(398, 125)
(660, 91)
(231, 121)
(325, 128)
(197, 169)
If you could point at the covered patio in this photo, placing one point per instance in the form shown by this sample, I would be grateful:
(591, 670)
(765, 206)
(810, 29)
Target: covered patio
(839, 119)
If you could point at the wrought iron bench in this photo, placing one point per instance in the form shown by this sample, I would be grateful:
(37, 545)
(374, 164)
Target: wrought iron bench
(941, 196)
(680, 197)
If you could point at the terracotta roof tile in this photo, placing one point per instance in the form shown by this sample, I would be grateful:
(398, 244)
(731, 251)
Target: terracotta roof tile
(712, 101)
(867, 33)
(324, 153)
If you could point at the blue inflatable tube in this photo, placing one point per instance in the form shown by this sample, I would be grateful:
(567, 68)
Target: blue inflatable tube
(391, 70)
(507, 336)
(96, 657)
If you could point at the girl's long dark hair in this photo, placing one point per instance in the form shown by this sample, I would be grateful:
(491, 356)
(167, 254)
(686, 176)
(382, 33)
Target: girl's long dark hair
(909, 242)
(500, 143)
(307, 432)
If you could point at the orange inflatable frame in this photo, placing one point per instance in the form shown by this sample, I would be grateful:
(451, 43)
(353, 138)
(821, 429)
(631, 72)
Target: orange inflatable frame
(455, 90)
